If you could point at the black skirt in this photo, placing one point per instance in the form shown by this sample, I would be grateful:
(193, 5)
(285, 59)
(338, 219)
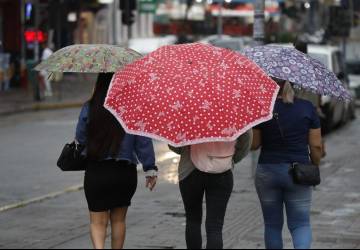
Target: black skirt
(109, 185)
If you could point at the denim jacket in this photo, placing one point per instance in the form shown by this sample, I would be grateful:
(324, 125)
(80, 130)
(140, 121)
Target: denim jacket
(134, 148)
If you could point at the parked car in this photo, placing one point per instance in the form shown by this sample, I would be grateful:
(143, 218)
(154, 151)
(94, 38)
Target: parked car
(336, 112)
(234, 43)
(353, 69)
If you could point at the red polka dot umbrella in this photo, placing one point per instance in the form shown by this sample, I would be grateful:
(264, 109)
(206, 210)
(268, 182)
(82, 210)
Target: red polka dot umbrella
(191, 94)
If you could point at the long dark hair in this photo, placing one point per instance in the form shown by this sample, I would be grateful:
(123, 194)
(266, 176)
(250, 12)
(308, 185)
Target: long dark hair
(105, 133)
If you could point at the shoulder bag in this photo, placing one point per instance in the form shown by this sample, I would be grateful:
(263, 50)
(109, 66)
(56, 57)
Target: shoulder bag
(71, 158)
(303, 174)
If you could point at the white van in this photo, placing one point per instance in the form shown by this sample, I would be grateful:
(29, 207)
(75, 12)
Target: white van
(147, 45)
(337, 112)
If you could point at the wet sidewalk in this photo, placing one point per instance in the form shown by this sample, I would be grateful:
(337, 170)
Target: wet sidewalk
(72, 91)
(156, 220)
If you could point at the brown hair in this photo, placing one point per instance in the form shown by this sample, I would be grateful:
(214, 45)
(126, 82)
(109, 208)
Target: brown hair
(105, 133)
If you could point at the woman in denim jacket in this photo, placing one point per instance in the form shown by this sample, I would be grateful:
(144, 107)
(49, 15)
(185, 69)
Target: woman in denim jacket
(111, 175)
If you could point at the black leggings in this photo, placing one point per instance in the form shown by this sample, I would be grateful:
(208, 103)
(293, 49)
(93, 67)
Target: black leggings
(217, 189)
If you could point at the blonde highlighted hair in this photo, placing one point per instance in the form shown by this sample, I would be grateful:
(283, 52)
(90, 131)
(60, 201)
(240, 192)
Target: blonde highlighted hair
(288, 93)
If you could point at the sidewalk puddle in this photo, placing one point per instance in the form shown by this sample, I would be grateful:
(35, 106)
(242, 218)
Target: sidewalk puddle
(353, 195)
(315, 212)
(343, 212)
(170, 175)
(176, 215)
(348, 170)
(243, 191)
(354, 206)
(327, 165)
(168, 156)
(168, 164)
(159, 247)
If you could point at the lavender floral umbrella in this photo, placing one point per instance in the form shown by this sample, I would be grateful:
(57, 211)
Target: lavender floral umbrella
(305, 72)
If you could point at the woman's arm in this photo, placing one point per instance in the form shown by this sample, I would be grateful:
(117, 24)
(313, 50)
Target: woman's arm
(81, 128)
(316, 146)
(144, 149)
(257, 142)
(243, 146)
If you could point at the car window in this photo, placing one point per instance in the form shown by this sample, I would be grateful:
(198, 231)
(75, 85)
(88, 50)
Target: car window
(336, 63)
(353, 68)
(339, 64)
(323, 58)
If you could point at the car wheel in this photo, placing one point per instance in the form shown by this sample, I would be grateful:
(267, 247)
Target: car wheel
(327, 123)
(352, 112)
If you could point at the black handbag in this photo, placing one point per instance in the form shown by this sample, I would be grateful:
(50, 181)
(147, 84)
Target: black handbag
(306, 174)
(303, 174)
(71, 158)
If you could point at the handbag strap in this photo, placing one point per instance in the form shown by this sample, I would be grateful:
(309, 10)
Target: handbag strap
(276, 117)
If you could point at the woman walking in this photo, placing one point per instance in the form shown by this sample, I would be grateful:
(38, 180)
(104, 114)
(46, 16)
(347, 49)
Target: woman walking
(217, 188)
(111, 175)
(293, 136)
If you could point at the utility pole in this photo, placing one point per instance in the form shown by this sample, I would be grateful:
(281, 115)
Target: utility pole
(129, 15)
(259, 22)
(312, 26)
(259, 39)
(23, 45)
(128, 18)
(114, 22)
(220, 23)
(352, 12)
(37, 28)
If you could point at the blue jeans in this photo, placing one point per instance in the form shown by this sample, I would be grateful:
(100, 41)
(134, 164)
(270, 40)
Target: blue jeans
(276, 188)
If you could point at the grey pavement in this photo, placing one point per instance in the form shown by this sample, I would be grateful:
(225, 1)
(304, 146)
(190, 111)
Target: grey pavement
(73, 90)
(156, 220)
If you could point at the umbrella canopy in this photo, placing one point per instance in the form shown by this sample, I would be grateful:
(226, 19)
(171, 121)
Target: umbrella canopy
(289, 64)
(89, 58)
(191, 94)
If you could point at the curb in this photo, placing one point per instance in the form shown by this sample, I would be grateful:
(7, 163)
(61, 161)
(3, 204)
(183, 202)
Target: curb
(42, 107)
(41, 198)
(55, 106)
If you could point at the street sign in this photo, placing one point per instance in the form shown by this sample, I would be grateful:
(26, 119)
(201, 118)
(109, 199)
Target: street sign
(147, 6)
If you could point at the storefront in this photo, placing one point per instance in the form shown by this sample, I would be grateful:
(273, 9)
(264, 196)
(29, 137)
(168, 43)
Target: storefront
(10, 42)
(201, 18)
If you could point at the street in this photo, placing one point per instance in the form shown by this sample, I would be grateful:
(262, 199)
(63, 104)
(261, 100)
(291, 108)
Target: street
(48, 208)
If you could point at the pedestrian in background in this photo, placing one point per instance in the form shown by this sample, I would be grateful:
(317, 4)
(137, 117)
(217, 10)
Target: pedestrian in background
(111, 175)
(47, 52)
(217, 188)
(288, 138)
